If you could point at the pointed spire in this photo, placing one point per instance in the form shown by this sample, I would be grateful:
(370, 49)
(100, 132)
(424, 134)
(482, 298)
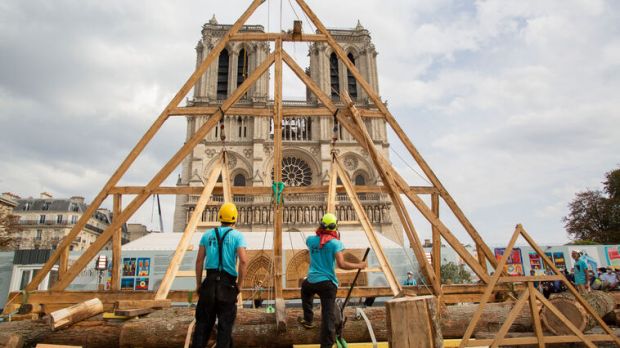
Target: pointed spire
(213, 20)
(359, 25)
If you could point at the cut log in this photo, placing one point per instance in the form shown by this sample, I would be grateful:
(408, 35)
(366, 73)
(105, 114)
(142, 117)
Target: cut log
(11, 340)
(71, 315)
(602, 302)
(253, 328)
(413, 322)
(92, 333)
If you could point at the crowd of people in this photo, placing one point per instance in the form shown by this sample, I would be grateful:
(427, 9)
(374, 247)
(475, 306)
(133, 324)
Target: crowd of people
(582, 277)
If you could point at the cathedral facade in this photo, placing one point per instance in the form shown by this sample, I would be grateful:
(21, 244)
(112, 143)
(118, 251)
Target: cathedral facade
(306, 140)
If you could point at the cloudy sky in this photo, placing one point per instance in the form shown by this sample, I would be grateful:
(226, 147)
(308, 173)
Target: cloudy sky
(514, 104)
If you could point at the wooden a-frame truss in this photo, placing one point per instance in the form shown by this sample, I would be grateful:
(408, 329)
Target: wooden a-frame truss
(348, 116)
(532, 295)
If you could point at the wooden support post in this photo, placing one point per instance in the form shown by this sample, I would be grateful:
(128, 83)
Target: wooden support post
(367, 227)
(226, 183)
(277, 177)
(175, 263)
(372, 94)
(413, 322)
(489, 290)
(122, 169)
(535, 315)
(173, 163)
(436, 252)
(482, 258)
(63, 263)
(116, 244)
(331, 191)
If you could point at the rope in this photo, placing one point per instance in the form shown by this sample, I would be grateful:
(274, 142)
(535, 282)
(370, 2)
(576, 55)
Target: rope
(410, 167)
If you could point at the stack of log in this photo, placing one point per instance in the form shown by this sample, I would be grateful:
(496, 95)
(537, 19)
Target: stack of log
(254, 327)
(602, 302)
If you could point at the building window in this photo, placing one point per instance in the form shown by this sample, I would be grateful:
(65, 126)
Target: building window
(333, 75)
(74, 207)
(46, 206)
(360, 180)
(74, 219)
(59, 219)
(243, 127)
(296, 172)
(242, 67)
(222, 75)
(351, 82)
(42, 219)
(27, 206)
(39, 235)
(239, 180)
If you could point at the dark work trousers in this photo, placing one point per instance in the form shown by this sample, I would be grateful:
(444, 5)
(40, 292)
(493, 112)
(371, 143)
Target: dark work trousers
(327, 293)
(208, 309)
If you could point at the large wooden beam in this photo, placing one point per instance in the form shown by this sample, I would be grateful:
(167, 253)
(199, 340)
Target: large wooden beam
(277, 36)
(384, 263)
(186, 238)
(259, 190)
(146, 138)
(386, 167)
(277, 177)
(436, 252)
(266, 111)
(388, 181)
(374, 97)
(162, 175)
(116, 244)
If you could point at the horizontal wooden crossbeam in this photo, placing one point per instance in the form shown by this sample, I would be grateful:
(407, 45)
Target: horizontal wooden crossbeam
(267, 111)
(257, 190)
(277, 36)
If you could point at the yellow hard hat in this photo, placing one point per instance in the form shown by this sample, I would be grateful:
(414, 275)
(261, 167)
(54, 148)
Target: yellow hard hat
(329, 222)
(228, 213)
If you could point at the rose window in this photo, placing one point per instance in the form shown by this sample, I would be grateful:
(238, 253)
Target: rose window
(295, 172)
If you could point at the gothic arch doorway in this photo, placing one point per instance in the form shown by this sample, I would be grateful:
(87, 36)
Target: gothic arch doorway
(259, 269)
(297, 269)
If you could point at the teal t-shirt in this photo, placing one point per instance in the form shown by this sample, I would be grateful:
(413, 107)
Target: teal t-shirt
(580, 272)
(323, 260)
(233, 240)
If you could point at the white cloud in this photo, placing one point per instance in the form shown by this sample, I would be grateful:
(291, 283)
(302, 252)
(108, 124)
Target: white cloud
(513, 103)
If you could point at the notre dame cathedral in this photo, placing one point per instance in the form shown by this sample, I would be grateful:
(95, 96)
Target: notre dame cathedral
(306, 140)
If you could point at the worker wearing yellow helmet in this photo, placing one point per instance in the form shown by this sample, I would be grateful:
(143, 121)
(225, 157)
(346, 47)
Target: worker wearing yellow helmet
(219, 250)
(326, 250)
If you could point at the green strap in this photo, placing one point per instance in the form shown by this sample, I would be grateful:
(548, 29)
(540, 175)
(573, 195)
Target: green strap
(278, 188)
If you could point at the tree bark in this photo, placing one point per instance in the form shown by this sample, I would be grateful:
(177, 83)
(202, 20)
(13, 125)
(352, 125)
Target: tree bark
(94, 333)
(253, 328)
(602, 302)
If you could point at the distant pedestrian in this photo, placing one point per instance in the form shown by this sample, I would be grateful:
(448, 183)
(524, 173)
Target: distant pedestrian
(581, 275)
(410, 281)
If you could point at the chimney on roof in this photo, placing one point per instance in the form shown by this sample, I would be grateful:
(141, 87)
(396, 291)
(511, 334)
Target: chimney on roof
(46, 195)
(77, 199)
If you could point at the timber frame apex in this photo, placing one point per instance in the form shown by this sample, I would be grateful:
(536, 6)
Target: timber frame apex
(349, 117)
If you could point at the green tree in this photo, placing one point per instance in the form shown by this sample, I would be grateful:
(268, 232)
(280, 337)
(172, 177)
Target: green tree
(451, 273)
(594, 215)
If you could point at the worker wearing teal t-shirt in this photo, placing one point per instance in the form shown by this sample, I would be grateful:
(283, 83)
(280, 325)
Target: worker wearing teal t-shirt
(582, 278)
(218, 252)
(325, 252)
